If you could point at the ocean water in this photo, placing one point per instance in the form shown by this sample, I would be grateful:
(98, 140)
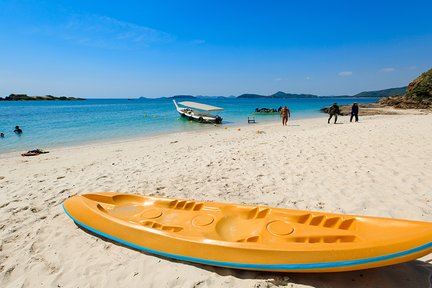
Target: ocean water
(49, 124)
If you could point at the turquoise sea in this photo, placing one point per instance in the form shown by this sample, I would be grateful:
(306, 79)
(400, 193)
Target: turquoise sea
(48, 124)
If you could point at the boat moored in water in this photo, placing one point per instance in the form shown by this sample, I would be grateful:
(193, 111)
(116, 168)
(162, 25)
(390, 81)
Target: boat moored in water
(199, 113)
(266, 111)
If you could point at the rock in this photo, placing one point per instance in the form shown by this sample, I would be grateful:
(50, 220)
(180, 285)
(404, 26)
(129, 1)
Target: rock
(364, 110)
(418, 95)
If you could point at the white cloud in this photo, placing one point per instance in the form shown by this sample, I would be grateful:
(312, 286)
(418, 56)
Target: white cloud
(345, 73)
(107, 32)
(308, 78)
(388, 70)
(278, 79)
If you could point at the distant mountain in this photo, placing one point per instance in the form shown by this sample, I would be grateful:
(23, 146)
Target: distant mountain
(383, 93)
(278, 95)
(212, 97)
(182, 97)
(197, 97)
(251, 96)
(281, 94)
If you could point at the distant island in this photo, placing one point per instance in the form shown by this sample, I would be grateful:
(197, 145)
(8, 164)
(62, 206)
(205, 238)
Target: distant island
(25, 97)
(278, 95)
(282, 95)
(190, 97)
(365, 94)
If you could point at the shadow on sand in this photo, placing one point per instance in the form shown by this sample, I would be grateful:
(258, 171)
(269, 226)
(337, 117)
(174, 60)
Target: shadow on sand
(413, 274)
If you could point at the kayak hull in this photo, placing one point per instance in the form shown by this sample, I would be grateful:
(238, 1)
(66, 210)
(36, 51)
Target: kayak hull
(250, 237)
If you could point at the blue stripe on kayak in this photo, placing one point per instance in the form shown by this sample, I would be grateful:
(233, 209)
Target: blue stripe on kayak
(258, 266)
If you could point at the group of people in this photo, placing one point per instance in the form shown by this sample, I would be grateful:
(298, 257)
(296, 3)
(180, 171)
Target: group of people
(17, 131)
(335, 111)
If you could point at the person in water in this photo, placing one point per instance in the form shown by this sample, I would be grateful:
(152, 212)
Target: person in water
(18, 130)
(1, 135)
(354, 112)
(285, 114)
(333, 111)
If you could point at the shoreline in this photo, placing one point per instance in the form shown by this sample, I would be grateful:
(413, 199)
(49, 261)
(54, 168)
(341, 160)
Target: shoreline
(377, 167)
(366, 112)
(59, 125)
(211, 127)
(133, 138)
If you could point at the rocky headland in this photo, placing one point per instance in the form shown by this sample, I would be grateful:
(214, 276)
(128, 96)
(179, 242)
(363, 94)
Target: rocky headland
(418, 95)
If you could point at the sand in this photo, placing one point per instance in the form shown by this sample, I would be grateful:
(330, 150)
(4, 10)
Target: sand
(381, 166)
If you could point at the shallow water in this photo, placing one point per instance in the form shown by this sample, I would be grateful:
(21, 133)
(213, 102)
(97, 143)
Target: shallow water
(48, 124)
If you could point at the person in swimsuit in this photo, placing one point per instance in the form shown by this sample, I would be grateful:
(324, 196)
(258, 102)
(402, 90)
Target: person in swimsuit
(285, 114)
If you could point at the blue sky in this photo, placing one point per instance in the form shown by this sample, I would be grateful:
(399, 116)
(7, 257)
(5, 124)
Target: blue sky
(128, 49)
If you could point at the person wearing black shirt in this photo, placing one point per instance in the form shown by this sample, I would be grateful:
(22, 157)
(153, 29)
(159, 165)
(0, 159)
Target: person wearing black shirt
(354, 112)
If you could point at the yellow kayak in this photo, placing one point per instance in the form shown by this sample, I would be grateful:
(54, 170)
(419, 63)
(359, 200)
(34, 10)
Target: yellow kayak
(250, 237)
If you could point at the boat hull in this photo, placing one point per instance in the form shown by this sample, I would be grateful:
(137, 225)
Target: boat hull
(193, 115)
(201, 119)
(250, 237)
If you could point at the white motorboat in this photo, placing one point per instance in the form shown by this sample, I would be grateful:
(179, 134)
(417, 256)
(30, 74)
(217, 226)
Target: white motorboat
(200, 114)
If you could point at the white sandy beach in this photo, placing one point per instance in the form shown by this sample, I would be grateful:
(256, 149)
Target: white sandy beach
(381, 166)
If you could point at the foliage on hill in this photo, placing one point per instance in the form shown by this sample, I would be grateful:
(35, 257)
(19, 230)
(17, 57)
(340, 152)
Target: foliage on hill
(383, 93)
(418, 94)
(421, 88)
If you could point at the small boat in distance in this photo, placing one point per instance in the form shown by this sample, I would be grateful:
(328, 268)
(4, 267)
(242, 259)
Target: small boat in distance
(199, 116)
(267, 111)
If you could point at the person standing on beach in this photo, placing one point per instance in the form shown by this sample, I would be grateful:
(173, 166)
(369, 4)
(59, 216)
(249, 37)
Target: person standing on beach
(333, 111)
(354, 112)
(285, 114)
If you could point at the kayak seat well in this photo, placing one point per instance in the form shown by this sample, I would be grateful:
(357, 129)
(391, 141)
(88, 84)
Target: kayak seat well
(228, 223)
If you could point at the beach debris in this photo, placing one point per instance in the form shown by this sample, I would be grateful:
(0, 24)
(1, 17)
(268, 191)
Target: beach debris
(64, 190)
(260, 132)
(238, 129)
(320, 205)
(172, 142)
(226, 128)
(34, 152)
